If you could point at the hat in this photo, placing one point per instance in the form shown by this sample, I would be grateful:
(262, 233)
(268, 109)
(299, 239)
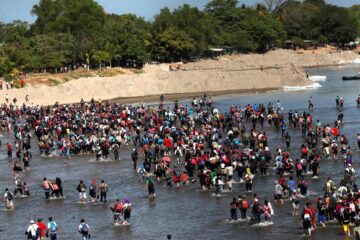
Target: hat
(32, 222)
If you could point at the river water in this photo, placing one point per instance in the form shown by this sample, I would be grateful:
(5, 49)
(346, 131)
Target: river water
(187, 212)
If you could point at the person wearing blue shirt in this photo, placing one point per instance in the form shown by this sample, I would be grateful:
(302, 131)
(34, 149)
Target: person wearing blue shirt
(292, 185)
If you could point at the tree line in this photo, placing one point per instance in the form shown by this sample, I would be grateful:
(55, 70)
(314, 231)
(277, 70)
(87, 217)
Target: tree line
(70, 32)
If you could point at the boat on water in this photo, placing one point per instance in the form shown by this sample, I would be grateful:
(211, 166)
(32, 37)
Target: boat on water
(345, 78)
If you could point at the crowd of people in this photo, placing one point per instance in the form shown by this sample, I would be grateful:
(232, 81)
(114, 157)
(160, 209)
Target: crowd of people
(183, 144)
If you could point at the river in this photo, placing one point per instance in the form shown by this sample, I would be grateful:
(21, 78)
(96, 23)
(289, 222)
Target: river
(187, 212)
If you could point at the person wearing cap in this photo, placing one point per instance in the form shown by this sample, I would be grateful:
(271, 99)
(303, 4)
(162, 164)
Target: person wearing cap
(8, 197)
(31, 232)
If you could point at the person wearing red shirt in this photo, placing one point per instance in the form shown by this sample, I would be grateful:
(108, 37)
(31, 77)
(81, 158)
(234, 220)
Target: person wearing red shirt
(335, 133)
(43, 229)
(167, 142)
(9, 150)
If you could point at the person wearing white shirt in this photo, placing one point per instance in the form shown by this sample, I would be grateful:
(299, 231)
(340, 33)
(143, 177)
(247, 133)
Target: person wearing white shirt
(31, 231)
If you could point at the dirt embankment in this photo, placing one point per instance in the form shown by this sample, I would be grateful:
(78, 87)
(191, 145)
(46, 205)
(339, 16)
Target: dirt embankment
(230, 74)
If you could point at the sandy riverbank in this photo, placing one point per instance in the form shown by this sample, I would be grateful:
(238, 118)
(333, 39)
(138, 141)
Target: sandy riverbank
(230, 74)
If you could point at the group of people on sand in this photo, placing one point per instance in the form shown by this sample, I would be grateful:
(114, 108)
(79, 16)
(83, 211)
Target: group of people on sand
(183, 144)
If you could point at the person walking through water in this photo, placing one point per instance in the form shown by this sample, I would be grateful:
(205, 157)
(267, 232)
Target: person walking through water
(33, 231)
(243, 206)
(268, 211)
(81, 188)
(52, 229)
(93, 191)
(134, 157)
(310, 102)
(103, 189)
(8, 197)
(84, 230)
(151, 188)
(46, 187)
(233, 209)
(127, 211)
(118, 210)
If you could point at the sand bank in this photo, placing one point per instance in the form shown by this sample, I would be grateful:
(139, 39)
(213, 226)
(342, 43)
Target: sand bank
(230, 74)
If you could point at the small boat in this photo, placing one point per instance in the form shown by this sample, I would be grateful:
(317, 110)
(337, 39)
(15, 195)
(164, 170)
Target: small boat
(357, 77)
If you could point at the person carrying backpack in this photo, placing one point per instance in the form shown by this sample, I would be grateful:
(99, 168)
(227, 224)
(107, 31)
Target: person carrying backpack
(81, 188)
(8, 197)
(52, 229)
(33, 231)
(41, 229)
(45, 185)
(103, 189)
(233, 209)
(151, 188)
(84, 230)
(243, 206)
(118, 210)
(127, 211)
(93, 191)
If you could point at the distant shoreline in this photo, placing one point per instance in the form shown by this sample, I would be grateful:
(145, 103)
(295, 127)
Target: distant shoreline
(181, 96)
(232, 74)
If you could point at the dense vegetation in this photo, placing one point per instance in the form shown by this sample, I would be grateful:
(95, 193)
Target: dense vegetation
(69, 32)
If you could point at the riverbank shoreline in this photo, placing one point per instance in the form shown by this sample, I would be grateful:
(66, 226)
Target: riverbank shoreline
(231, 74)
(182, 96)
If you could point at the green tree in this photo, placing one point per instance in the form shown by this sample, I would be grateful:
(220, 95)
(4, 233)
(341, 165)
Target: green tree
(127, 37)
(196, 24)
(83, 19)
(173, 44)
(355, 14)
(337, 24)
(14, 32)
(47, 51)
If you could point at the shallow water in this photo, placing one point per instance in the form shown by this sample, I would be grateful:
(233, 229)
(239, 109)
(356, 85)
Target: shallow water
(187, 212)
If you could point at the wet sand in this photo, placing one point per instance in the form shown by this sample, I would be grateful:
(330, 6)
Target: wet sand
(180, 96)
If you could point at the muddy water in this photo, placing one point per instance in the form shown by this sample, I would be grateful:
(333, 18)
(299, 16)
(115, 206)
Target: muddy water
(187, 212)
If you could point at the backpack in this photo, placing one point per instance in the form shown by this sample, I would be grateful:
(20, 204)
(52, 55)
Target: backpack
(9, 196)
(304, 150)
(45, 185)
(119, 207)
(92, 188)
(52, 227)
(84, 229)
(299, 166)
(128, 208)
(244, 204)
(233, 206)
(261, 209)
(38, 232)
